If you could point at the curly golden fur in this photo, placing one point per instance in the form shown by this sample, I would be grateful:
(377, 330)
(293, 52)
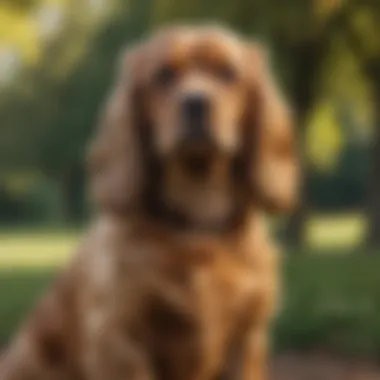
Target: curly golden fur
(177, 277)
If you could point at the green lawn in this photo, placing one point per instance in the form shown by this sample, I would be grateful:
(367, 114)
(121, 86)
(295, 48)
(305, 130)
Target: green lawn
(19, 290)
(336, 231)
(331, 300)
(35, 250)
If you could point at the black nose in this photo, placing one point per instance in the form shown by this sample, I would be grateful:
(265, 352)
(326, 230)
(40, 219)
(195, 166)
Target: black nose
(195, 108)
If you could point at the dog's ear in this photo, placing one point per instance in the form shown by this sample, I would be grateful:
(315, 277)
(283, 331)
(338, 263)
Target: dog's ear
(274, 172)
(115, 159)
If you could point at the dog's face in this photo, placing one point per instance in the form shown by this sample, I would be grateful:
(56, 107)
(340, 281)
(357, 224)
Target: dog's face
(203, 103)
(195, 93)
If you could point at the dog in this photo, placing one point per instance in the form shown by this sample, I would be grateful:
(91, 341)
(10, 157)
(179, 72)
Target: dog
(177, 277)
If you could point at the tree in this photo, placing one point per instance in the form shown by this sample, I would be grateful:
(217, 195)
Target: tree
(361, 31)
(37, 133)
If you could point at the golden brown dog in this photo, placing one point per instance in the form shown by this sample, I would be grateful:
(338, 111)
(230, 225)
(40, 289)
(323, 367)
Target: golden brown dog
(176, 280)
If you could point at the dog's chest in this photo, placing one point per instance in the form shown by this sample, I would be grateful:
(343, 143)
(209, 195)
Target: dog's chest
(194, 319)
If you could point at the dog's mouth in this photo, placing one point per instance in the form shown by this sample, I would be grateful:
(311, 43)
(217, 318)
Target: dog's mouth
(197, 159)
(197, 165)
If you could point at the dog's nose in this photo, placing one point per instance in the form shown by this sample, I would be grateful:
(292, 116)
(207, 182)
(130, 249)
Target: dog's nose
(195, 106)
(195, 113)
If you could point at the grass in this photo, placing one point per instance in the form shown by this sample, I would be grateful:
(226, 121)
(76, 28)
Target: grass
(19, 291)
(35, 250)
(331, 301)
(336, 231)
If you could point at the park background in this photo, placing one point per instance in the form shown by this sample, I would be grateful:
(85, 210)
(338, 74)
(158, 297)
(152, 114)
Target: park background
(57, 59)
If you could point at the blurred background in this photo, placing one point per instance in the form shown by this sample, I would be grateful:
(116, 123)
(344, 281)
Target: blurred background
(57, 59)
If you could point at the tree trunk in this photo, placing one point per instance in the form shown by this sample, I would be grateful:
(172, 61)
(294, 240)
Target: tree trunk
(296, 229)
(307, 64)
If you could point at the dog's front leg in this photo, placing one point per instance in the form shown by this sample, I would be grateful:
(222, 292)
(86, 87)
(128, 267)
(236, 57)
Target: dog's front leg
(117, 357)
(255, 355)
(30, 358)
(248, 359)
(249, 353)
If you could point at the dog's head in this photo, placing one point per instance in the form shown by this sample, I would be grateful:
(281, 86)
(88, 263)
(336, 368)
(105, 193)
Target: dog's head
(197, 124)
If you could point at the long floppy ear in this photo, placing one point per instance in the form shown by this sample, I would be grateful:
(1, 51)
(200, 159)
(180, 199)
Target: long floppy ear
(275, 167)
(115, 159)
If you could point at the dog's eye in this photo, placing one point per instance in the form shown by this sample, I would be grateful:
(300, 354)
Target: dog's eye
(227, 73)
(165, 76)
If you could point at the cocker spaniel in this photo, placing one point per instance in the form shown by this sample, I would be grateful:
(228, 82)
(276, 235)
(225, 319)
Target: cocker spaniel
(176, 279)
